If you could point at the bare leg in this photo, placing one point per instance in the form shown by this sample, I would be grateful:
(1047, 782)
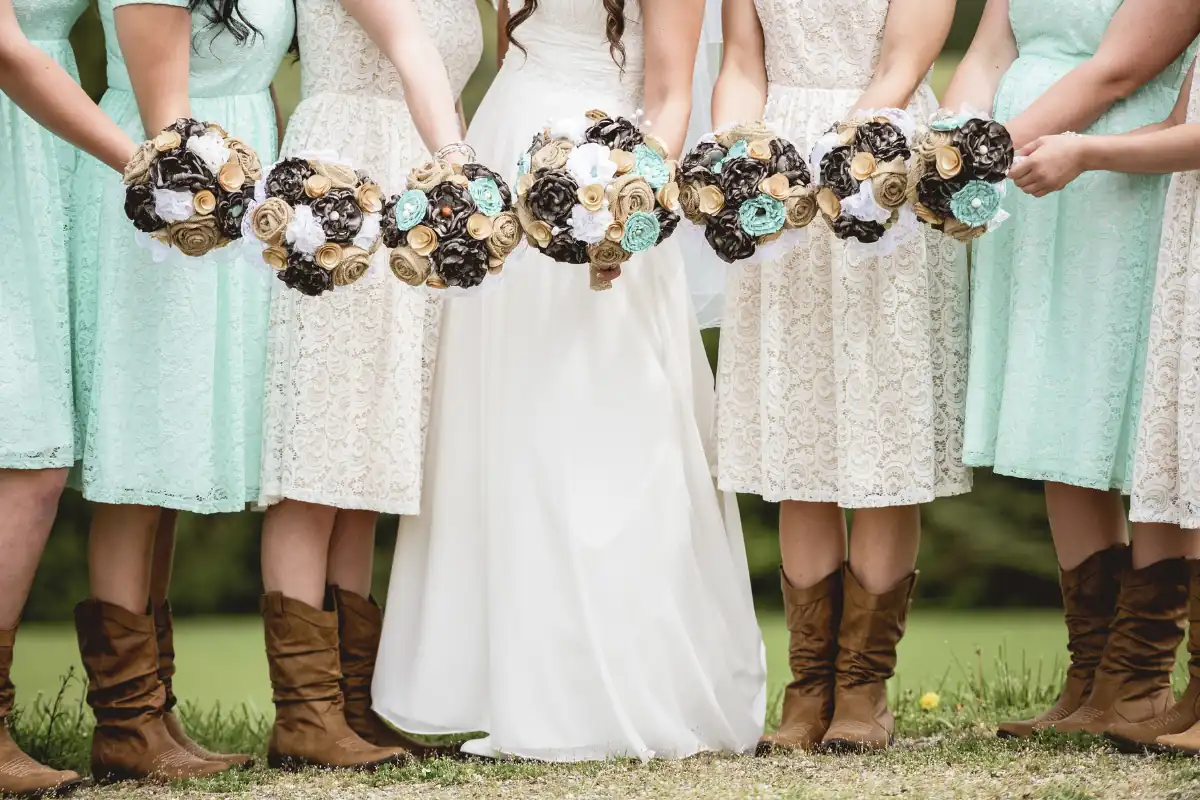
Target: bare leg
(29, 499)
(295, 550)
(1083, 522)
(883, 546)
(119, 552)
(812, 539)
(1153, 542)
(352, 551)
(164, 557)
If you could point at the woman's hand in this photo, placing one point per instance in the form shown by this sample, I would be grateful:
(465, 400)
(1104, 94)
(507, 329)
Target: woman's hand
(1050, 163)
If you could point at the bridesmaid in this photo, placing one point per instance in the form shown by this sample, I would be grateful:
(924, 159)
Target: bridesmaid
(839, 383)
(169, 361)
(349, 374)
(1166, 475)
(39, 97)
(1058, 334)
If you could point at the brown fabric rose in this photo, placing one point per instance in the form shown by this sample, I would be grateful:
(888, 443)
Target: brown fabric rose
(539, 232)
(195, 237)
(270, 219)
(628, 195)
(339, 175)
(930, 142)
(891, 189)
(748, 131)
(410, 267)
(246, 158)
(800, 207)
(355, 263)
(689, 202)
(552, 155)
(428, 175)
(506, 235)
(137, 171)
(607, 255)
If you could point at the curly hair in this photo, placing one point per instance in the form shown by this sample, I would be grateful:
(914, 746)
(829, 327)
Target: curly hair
(614, 30)
(225, 14)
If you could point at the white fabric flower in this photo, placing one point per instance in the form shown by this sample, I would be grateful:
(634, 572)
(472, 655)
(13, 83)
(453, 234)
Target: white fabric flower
(209, 148)
(369, 231)
(571, 128)
(862, 206)
(590, 163)
(304, 233)
(791, 239)
(159, 251)
(588, 226)
(821, 149)
(172, 206)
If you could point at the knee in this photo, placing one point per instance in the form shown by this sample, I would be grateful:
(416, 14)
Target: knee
(44, 487)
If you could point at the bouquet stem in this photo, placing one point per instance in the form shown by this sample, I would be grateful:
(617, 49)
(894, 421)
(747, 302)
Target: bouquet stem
(598, 284)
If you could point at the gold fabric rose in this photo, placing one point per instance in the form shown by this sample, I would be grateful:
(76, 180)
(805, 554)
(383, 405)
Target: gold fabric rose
(246, 158)
(369, 198)
(668, 196)
(524, 184)
(205, 202)
(628, 195)
(800, 208)
(270, 219)
(217, 129)
(328, 255)
(607, 255)
(760, 150)
(435, 281)
(167, 140)
(949, 162)
(862, 166)
(711, 200)
(317, 186)
(422, 240)
(927, 145)
(479, 227)
(846, 134)
(355, 263)
(538, 232)
(552, 155)
(625, 161)
(137, 171)
(231, 176)
(829, 203)
(591, 196)
(891, 189)
(276, 258)
(340, 176)
(748, 131)
(410, 267)
(595, 115)
(925, 214)
(615, 232)
(506, 235)
(428, 175)
(656, 145)
(776, 185)
(195, 237)
(689, 201)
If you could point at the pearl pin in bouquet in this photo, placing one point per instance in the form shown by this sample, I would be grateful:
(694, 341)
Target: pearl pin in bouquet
(186, 190)
(317, 222)
(595, 190)
(861, 170)
(957, 180)
(747, 188)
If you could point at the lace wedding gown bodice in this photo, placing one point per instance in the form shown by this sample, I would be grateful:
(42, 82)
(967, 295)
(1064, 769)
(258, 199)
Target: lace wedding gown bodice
(831, 44)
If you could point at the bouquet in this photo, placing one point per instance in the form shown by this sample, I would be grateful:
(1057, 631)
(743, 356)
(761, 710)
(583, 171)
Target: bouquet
(595, 190)
(746, 187)
(187, 188)
(861, 169)
(318, 221)
(453, 226)
(958, 175)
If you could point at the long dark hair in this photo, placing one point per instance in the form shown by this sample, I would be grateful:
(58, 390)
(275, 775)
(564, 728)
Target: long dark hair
(614, 30)
(227, 15)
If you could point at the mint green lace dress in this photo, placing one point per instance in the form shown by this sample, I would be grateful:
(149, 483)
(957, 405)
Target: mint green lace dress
(1061, 293)
(36, 420)
(170, 358)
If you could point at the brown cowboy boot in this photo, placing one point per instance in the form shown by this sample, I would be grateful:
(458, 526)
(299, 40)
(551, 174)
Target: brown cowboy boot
(1089, 600)
(1139, 737)
(1133, 681)
(310, 722)
(131, 740)
(813, 615)
(872, 625)
(165, 631)
(20, 775)
(360, 625)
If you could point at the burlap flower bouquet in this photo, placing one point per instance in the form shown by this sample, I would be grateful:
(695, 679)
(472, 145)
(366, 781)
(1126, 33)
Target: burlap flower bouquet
(958, 175)
(452, 227)
(747, 188)
(317, 221)
(860, 168)
(595, 190)
(186, 190)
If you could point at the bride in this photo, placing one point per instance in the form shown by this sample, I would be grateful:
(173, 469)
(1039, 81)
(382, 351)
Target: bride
(575, 586)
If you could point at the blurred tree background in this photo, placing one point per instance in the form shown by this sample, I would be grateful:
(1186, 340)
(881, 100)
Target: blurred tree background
(989, 548)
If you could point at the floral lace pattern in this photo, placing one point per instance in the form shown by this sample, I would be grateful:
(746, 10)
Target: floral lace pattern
(350, 374)
(841, 374)
(1166, 475)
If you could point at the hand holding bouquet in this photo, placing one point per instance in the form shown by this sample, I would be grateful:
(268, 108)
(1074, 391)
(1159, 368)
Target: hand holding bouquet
(595, 190)
(746, 187)
(187, 188)
(319, 222)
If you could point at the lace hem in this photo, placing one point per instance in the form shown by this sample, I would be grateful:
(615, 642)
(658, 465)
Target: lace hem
(148, 497)
(276, 494)
(1035, 473)
(54, 459)
(1187, 517)
(911, 497)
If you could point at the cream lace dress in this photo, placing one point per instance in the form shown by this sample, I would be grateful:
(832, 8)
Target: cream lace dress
(350, 372)
(842, 376)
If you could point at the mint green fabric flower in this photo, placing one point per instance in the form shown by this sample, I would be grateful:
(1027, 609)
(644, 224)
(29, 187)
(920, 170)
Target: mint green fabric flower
(975, 204)
(651, 166)
(523, 164)
(947, 123)
(761, 216)
(641, 232)
(739, 150)
(486, 195)
(411, 209)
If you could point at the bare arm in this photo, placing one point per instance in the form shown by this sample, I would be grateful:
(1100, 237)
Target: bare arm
(45, 91)
(156, 43)
(278, 115)
(672, 36)
(1142, 39)
(992, 52)
(740, 93)
(915, 32)
(501, 32)
(398, 31)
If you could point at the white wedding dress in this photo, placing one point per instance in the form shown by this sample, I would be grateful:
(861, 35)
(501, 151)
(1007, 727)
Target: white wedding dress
(575, 585)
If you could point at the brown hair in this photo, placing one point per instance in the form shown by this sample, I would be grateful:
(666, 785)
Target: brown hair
(614, 30)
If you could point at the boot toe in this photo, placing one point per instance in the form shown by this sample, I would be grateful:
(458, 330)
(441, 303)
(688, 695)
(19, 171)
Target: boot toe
(1015, 730)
